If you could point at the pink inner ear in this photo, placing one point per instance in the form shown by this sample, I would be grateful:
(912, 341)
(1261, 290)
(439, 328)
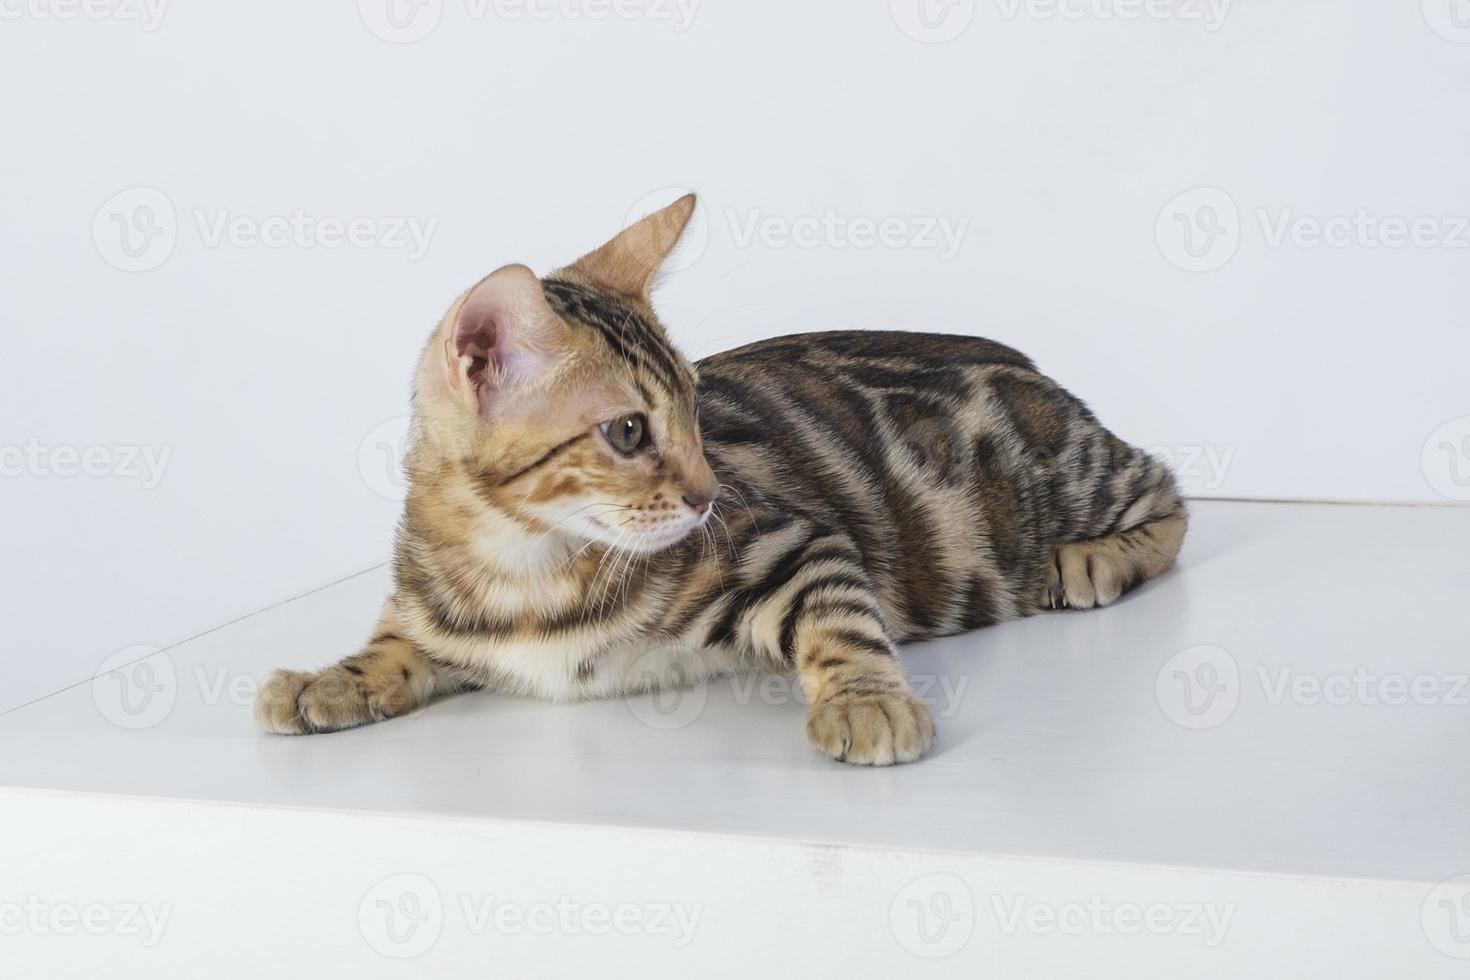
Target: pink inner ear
(501, 335)
(475, 338)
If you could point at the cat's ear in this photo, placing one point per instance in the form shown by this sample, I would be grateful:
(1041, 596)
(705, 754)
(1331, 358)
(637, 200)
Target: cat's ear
(501, 334)
(627, 264)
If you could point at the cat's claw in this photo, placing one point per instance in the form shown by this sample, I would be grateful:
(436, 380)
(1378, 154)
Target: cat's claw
(871, 729)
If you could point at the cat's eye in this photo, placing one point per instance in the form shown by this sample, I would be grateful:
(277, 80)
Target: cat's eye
(628, 433)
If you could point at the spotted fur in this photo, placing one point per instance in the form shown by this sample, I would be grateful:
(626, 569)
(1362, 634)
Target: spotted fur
(868, 489)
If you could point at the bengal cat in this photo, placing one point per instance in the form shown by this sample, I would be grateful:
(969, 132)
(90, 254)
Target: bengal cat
(872, 488)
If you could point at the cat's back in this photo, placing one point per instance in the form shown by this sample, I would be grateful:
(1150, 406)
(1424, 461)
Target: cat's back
(835, 350)
(860, 395)
(853, 394)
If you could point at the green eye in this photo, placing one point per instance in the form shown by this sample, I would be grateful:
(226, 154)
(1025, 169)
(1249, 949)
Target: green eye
(627, 434)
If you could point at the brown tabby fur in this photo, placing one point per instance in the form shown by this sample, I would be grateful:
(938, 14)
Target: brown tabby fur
(868, 488)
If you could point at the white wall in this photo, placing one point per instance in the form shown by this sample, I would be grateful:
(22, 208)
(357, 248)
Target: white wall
(1058, 144)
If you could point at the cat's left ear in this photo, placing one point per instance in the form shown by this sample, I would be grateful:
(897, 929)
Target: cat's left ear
(500, 336)
(628, 263)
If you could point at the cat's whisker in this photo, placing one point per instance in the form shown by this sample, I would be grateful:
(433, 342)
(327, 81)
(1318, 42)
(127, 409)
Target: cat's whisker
(580, 552)
(709, 536)
(613, 509)
(593, 587)
(715, 515)
(627, 576)
(743, 503)
(605, 592)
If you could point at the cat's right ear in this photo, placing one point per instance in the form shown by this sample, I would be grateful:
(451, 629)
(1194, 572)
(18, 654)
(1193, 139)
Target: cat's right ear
(500, 335)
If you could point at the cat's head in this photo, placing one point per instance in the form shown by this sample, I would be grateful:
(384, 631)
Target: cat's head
(564, 402)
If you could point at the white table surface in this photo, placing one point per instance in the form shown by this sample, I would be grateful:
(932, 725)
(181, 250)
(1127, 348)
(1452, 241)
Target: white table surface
(1060, 736)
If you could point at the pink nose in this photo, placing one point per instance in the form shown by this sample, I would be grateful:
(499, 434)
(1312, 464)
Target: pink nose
(698, 500)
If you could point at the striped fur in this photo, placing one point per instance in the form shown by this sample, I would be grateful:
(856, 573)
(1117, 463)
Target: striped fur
(873, 488)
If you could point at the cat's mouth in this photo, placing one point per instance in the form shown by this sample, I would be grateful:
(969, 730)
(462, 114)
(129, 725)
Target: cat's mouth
(655, 538)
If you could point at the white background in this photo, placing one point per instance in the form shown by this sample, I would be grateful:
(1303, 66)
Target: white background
(1060, 143)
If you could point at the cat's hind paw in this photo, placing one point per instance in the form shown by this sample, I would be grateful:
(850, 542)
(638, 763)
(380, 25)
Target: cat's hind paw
(1082, 576)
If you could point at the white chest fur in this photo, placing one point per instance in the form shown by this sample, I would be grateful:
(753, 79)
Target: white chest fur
(575, 666)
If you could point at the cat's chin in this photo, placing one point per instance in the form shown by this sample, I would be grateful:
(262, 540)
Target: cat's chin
(645, 542)
(658, 540)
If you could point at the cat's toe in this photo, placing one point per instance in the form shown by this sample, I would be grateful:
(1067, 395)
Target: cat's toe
(293, 702)
(276, 705)
(1081, 576)
(871, 729)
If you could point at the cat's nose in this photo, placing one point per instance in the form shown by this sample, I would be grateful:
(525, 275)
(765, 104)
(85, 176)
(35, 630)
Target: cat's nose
(698, 500)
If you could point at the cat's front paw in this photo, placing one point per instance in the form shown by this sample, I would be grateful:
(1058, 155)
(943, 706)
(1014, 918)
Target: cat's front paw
(871, 729)
(293, 702)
